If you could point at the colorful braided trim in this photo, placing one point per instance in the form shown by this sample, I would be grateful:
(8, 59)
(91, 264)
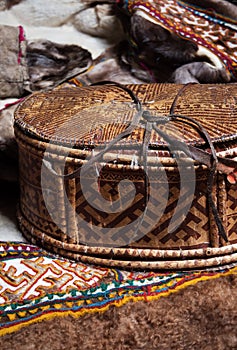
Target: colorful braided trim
(37, 286)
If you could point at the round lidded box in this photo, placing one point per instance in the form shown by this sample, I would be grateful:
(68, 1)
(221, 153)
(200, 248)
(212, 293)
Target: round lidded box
(147, 198)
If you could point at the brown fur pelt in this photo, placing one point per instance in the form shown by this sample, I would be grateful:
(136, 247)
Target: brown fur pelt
(169, 57)
(156, 54)
(199, 317)
(51, 63)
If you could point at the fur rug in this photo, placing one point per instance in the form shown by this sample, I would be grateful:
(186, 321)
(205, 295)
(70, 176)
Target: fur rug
(200, 317)
(55, 304)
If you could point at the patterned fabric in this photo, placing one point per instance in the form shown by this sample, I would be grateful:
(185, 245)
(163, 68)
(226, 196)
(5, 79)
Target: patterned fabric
(206, 28)
(35, 286)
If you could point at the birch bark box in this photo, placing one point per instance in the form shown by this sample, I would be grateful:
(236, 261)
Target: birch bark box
(141, 176)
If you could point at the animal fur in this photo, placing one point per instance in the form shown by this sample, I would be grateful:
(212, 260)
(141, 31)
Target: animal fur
(158, 54)
(199, 317)
(50, 63)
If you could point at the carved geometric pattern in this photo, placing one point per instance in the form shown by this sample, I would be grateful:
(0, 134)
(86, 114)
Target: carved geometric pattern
(193, 231)
(231, 199)
(153, 225)
(149, 232)
(32, 202)
(232, 228)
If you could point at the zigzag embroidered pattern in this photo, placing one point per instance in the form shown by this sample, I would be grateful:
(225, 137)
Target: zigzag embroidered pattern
(35, 286)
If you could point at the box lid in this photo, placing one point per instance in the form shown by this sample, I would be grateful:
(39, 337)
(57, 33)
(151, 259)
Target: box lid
(93, 115)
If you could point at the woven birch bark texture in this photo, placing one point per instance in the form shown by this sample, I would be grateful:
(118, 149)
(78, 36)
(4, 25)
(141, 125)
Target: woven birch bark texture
(144, 201)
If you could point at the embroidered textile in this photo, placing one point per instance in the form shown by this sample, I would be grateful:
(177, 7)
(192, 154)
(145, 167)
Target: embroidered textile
(206, 28)
(35, 285)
